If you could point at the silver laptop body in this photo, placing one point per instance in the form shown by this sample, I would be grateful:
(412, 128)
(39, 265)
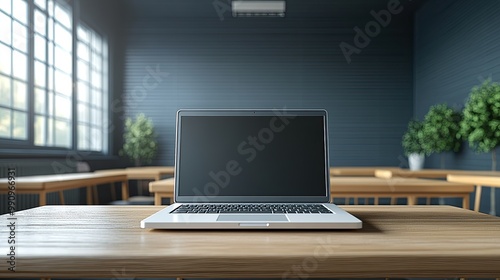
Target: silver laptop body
(252, 169)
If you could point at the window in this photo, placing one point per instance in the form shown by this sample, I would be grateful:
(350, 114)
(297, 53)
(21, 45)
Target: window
(92, 89)
(14, 70)
(44, 105)
(53, 49)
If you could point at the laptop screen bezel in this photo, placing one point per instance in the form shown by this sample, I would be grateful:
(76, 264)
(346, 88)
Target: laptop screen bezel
(250, 199)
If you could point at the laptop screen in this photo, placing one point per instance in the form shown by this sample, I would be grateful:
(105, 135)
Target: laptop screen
(252, 156)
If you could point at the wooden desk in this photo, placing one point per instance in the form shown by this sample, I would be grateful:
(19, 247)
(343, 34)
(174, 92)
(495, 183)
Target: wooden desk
(477, 180)
(365, 187)
(430, 173)
(359, 171)
(396, 242)
(44, 184)
(142, 172)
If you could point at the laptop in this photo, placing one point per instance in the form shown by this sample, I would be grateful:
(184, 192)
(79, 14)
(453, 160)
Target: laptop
(252, 169)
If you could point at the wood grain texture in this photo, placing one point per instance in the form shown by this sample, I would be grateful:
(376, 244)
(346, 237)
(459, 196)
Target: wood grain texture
(396, 241)
(142, 172)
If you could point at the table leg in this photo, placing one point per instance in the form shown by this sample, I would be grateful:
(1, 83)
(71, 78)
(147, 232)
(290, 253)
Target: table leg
(375, 201)
(477, 200)
(61, 197)
(412, 200)
(466, 201)
(42, 198)
(393, 201)
(356, 200)
(124, 190)
(157, 198)
(89, 195)
(95, 194)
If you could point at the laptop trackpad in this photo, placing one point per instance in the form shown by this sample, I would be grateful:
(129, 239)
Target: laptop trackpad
(251, 218)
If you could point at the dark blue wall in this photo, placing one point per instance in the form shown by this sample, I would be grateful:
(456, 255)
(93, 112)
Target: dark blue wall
(457, 46)
(277, 62)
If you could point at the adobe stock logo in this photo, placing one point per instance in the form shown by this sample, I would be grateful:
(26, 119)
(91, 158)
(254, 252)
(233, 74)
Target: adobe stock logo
(362, 38)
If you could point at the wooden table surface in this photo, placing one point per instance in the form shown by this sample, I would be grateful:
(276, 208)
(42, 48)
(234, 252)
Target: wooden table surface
(43, 184)
(356, 187)
(396, 241)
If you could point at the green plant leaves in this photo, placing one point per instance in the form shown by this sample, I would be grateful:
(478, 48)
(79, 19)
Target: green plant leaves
(440, 128)
(139, 139)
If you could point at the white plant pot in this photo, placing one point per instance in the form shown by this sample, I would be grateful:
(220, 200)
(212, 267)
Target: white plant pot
(416, 161)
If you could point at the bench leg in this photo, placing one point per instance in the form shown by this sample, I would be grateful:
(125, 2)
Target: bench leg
(477, 200)
(61, 197)
(125, 190)
(412, 200)
(95, 194)
(157, 199)
(466, 201)
(42, 199)
(89, 195)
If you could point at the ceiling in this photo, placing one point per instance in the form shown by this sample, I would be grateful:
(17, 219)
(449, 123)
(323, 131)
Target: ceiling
(294, 8)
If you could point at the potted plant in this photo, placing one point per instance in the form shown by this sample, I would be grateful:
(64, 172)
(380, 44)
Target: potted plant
(440, 128)
(413, 144)
(139, 137)
(481, 123)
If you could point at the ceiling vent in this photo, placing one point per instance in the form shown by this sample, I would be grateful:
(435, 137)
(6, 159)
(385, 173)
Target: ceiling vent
(252, 8)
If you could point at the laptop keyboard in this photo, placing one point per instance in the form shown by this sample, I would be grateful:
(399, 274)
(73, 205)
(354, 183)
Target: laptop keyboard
(252, 208)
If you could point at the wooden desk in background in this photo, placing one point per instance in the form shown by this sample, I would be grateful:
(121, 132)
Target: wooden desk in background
(365, 187)
(44, 184)
(477, 180)
(430, 173)
(395, 242)
(142, 172)
(359, 171)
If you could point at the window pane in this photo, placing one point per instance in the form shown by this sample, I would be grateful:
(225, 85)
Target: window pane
(5, 123)
(64, 85)
(63, 16)
(96, 80)
(20, 126)
(40, 22)
(83, 34)
(50, 29)
(83, 137)
(50, 7)
(50, 132)
(96, 61)
(63, 38)
(40, 47)
(40, 101)
(20, 96)
(50, 70)
(83, 52)
(50, 100)
(5, 5)
(20, 65)
(97, 43)
(40, 71)
(41, 4)
(20, 33)
(40, 131)
(50, 61)
(95, 139)
(63, 61)
(96, 98)
(5, 22)
(5, 59)
(63, 107)
(83, 92)
(63, 134)
(20, 11)
(83, 71)
(5, 91)
(83, 113)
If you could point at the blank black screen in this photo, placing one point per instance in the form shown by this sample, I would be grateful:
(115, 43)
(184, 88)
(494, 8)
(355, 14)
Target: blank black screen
(251, 156)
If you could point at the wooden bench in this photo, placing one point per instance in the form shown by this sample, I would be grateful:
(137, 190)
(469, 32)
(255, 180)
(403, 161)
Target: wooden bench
(365, 187)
